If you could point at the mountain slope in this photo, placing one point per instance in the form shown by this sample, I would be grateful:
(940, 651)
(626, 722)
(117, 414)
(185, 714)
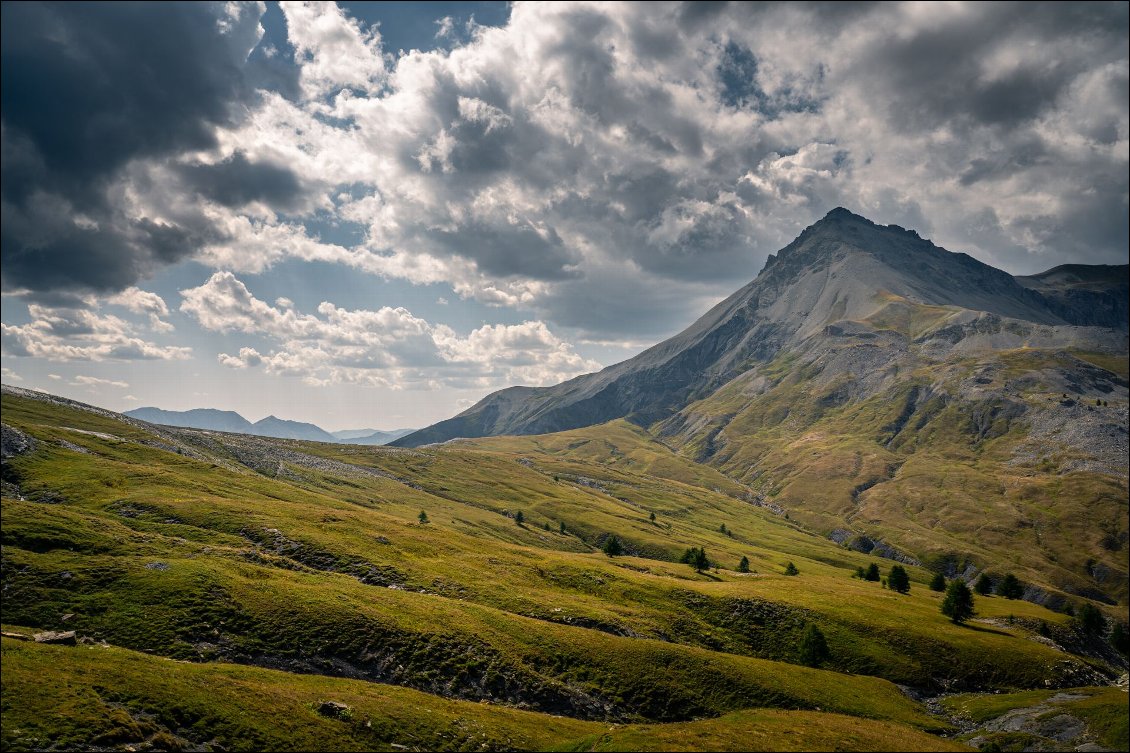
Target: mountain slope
(844, 267)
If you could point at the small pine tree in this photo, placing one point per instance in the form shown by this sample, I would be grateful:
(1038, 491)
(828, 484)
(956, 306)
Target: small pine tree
(859, 573)
(958, 604)
(1091, 619)
(722, 528)
(938, 583)
(872, 573)
(545, 525)
(743, 566)
(1010, 587)
(813, 649)
(1119, 638)
(898, 580)
(422, 517)
(519, 517)
(561, 526)
(790, 569)
(984, 585)
(613, 547)
(652, 517)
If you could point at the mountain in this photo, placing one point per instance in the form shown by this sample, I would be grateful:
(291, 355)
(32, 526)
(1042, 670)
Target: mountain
(839, 272)
(197, 418)
(370, 436)
(226, 420)
(353, 433)
(283, 429)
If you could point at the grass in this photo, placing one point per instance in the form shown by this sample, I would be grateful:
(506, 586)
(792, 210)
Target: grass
(1103, 709)
(93, 695)
(169, 542)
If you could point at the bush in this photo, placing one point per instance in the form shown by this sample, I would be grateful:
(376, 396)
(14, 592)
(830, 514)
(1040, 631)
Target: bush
(422, 517)
(743, 566)
(612, 547)
(984, 585)
(898, 580)
(938, 583)
(519, 517)
(958, 604)
(859, 573)
(790, 569)
(813, 649)
(1010, 587)
(872, 573)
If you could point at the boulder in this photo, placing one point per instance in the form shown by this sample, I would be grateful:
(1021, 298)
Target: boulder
(67, 638)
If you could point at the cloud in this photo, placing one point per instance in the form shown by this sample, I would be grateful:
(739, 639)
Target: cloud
(77, 334)
(143, 302)
(248, 357)
(10, 375)
(89, 381)
(91, 95)
(608, 167)
(389, 347)
(334, 51)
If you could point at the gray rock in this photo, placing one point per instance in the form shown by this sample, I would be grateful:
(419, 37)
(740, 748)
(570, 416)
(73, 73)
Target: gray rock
(14, 442)
(67, 638)
(334, 709)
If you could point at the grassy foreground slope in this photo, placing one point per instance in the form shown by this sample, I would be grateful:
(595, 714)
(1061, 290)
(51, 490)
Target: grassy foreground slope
(105, 696)
(311, 559)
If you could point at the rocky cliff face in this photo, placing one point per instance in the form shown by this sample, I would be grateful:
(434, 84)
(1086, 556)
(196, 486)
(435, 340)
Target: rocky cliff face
(839, 272)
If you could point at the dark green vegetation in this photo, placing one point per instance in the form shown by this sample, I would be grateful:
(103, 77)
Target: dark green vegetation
(312, 561)
(958, 604)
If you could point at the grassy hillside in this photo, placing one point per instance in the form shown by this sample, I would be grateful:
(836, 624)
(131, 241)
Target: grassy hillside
(1012, 461)
(311, 559)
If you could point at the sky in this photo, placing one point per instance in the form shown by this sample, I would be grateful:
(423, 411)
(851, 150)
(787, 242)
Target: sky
(371, 215)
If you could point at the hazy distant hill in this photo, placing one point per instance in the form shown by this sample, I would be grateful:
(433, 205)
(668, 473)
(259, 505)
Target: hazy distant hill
(370, 436)
(197, 418)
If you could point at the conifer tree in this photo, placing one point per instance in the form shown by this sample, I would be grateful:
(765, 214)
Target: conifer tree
(422, 517)
(1010, 587)
(984, 585)
(938, 583)
(872, 573)
(898, 580)
(790, 569)
(743, 566)
(958, 604)
(612, 547)
(813, 649)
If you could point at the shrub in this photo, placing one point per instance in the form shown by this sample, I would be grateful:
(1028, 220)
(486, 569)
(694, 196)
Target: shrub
(859, 573)
(519, 517)
(938, 583)
(612, 547)
(958, 604)
(898, 580)
(743, 566)
(790, 569)
(872, 573)
(1119, 638)
(423, 517)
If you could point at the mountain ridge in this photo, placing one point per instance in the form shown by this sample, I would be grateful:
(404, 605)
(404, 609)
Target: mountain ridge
(843, 267)
(214, 419)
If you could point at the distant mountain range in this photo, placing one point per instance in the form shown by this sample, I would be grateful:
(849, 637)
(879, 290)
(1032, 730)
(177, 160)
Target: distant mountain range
(271, 426)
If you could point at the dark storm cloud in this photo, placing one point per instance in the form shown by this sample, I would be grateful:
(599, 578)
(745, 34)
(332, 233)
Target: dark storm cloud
(88, 89)
(236, 182)
(944, 70)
